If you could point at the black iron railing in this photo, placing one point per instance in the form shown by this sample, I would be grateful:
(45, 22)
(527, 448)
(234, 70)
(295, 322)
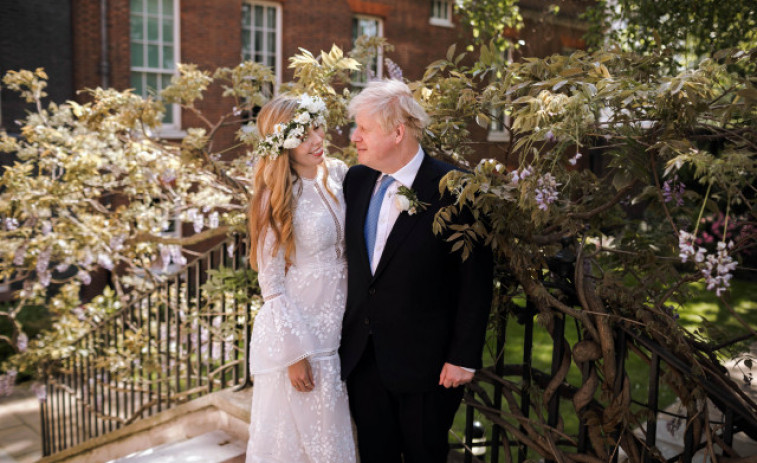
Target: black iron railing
(166, 347)
(173, 346)
(520, 380)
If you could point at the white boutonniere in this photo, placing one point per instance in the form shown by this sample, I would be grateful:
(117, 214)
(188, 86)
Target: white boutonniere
(407, 201)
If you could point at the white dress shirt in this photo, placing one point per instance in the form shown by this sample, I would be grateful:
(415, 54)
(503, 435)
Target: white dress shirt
(389, 211)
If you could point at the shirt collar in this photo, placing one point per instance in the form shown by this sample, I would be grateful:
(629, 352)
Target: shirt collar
(406, 175)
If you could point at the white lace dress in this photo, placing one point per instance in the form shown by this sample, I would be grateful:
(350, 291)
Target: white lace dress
(302, 318)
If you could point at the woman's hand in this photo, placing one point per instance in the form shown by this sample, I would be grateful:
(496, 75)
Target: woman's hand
(301, 376)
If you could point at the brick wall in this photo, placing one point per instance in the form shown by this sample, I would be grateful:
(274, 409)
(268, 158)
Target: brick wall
(35, 33)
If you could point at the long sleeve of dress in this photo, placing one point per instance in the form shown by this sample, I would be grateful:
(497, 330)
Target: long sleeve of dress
(281, 336)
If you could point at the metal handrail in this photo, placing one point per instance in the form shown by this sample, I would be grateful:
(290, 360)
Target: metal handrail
(163, 348)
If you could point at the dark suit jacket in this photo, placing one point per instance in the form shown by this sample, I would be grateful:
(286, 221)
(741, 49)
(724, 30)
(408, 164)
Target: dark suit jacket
(424, 306)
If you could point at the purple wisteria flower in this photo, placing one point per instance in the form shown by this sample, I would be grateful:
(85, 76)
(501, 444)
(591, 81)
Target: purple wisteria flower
(19, 255)
(22, 342)
(393, 69)
(546, 191)
(518, 175)
(84, 277)
(45, 277)
(11, 223)
(686, 245)
(673, 190)
(40, 391)
(718, 267)
(213, 220)
(7, 382)
(104, 261)
(43, 260)
(574, 159)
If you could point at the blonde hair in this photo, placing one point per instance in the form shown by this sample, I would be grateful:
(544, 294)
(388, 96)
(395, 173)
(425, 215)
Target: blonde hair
(392, 103)
(273, 191)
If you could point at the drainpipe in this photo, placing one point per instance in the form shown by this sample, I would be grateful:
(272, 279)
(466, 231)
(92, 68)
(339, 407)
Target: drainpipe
(104, 66)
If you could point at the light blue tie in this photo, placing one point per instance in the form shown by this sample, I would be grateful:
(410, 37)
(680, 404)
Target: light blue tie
(371, 220)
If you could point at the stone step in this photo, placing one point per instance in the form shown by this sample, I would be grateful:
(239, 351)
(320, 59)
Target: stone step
(211, 447)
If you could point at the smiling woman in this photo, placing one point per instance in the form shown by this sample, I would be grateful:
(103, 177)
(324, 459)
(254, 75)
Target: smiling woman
(299, 409)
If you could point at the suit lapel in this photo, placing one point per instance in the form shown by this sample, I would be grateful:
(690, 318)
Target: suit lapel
(426, 187)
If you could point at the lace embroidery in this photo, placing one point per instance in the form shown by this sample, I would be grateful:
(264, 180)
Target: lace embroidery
(339, 230)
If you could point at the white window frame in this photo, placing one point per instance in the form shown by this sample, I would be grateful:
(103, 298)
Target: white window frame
(172, 130)
(497, 133)
(440, 21)
(379, 56)
(278, 72)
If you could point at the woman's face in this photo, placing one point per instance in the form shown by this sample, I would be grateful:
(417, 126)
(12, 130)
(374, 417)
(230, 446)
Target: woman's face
(306, 157)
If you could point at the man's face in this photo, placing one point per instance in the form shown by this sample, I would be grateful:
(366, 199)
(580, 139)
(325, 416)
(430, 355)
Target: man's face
(375, 147)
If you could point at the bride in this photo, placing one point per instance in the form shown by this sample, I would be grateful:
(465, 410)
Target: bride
(299, 403)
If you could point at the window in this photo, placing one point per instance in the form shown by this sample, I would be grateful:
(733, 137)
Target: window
(500, 119)
(441, 13)
(155, 51)
(372, 27)
(261, 34)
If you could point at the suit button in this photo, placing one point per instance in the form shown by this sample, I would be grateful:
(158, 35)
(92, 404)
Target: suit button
(371, 291)
(367, 321)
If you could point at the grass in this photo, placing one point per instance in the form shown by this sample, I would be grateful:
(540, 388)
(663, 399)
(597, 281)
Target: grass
(703, 311)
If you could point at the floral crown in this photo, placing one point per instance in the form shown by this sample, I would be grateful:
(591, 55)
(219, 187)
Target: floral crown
(311, 111)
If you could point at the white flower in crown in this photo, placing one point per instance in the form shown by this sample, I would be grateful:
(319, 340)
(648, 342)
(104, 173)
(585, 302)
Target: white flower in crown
(311, 111)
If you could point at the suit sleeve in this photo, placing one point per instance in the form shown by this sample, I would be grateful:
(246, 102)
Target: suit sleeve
(475, 276)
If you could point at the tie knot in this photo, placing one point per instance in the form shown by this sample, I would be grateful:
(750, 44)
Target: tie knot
(385, 182)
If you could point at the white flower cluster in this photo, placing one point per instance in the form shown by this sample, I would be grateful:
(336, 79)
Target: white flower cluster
(716, 268)
(310, 112)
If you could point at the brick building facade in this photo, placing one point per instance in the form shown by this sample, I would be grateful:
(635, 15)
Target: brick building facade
(140, 41)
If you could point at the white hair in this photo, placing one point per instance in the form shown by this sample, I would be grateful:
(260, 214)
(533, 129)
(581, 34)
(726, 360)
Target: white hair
(392, 103)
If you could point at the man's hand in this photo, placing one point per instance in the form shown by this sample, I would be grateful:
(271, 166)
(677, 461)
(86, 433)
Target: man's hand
(301, 376)
(454, 376)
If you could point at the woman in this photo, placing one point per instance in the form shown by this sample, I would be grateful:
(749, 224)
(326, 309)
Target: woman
(299, 403)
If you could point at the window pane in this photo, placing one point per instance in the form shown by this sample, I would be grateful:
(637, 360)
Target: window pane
(271, 42)
(152, 84)
(258, 41)
(137, 59)
(153, 57)
(168, 116)
(168, 30)
(245, 44)
(168, 58)
(271, 61)
(258, 16)
(136, 6)
(168, 8)
(152, 28)
(136, 27)
(246, 15)
(152, 6)
(165, 81)
(136, 83)
(271, 17)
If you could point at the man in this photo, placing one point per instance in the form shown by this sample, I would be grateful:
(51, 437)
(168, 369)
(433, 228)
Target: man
(416, 313)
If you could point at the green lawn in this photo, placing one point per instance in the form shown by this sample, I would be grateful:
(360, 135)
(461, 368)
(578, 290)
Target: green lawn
(702, 310)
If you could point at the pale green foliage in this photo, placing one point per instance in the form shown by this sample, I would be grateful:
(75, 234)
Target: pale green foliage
(488, 20)
(686, 30)
(95, 186)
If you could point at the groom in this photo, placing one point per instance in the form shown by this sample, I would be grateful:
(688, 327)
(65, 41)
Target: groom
(416, 313)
